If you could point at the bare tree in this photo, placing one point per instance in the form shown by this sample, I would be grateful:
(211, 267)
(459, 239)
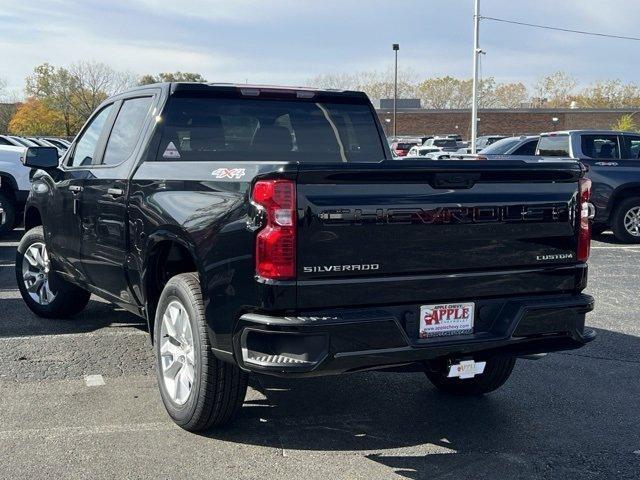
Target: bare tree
(8, 105)
(94, 82)
(376, 84)
(75, 92)
(557, 88)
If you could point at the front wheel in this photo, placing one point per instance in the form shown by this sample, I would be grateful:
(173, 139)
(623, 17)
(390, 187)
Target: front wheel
(45, 292)
(198, 390)
(496, 372)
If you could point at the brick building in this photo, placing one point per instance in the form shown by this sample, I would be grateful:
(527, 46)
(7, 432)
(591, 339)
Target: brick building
(499, 121)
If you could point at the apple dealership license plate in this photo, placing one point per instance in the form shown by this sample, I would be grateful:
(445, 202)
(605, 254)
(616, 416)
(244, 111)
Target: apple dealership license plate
(446, 319)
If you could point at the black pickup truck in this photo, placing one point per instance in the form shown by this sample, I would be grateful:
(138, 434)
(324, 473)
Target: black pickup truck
(264, 229)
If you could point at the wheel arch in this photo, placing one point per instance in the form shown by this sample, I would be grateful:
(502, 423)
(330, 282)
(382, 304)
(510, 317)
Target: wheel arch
(624, 191)
(32, 218)
(8, 185)
(168, 253)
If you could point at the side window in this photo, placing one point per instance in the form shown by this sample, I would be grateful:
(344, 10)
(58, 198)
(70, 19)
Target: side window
(632, 145)
(86, 145)
(528, 148)
(600, 146)
(126, 130)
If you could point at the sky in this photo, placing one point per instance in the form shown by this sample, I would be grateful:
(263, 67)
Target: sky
(289, 42)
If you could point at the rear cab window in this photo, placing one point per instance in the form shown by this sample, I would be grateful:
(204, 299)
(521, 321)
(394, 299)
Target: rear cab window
(554, 146)
(199, 126)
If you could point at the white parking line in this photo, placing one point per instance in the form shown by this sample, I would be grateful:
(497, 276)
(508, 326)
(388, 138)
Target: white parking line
(84, 430)
(94, 380)
(617, 247)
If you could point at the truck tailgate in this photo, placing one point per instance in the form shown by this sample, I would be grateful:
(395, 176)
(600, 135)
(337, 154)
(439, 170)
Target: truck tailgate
(434, 218)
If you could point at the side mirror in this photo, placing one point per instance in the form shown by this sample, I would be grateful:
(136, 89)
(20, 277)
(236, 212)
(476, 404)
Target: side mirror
(44, 158)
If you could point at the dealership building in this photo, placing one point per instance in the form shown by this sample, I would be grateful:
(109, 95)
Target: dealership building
(422, 121)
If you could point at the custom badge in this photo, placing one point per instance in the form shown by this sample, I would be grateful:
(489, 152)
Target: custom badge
(171, 151)
(236, 173)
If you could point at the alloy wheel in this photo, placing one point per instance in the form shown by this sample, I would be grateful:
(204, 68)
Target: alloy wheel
(177, 356)
(632, 221)
(35, 273)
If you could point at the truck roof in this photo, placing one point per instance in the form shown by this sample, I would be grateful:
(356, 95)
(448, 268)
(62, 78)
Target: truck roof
(212, 86)
(589, 131)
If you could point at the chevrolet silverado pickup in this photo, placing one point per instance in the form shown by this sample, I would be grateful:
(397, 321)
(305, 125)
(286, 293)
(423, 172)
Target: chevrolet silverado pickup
(270, 230)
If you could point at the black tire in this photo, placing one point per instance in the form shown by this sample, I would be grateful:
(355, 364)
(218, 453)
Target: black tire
(218, 388)
(69, 299)
(617, 225)
(598, 229)
(496, 373)
(8, 215)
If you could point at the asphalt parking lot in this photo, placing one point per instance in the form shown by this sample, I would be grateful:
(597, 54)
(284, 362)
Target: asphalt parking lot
(571, 415)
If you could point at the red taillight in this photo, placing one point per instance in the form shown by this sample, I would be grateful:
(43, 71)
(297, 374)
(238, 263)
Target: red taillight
(276, 242)
(584, 231)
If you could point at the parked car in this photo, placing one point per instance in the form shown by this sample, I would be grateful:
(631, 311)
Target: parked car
(614, 168)
(524, 145)
(58, 142)
(433, 145)
(21, 141)
(401, 148)
(14, 186)
(235, 224)
(45, 143)
(481, 143)
(486, 140)
(7, 141)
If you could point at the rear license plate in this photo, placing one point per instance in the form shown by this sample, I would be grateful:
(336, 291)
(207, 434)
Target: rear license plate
(446, 319)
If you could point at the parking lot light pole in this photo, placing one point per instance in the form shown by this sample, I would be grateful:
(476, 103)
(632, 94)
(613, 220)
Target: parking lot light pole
(474, 94)
(396, 47)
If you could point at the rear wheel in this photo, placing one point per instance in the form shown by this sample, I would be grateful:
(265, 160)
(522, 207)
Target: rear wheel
(198, 390)
(45, 292)
(626, 220)
(496, 372)
(7, 214)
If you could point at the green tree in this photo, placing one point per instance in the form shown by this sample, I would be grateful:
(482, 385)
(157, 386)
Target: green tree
(626, 123)
(171, 77)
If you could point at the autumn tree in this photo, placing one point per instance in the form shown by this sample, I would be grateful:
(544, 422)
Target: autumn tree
(609, 94)
(171, 77)
(34, 117)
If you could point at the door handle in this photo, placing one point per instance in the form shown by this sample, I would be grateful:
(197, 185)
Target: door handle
(115, 192)
(75, 188)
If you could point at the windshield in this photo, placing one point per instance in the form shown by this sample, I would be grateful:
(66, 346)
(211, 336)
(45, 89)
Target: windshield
(501, 146)
(213, 128)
